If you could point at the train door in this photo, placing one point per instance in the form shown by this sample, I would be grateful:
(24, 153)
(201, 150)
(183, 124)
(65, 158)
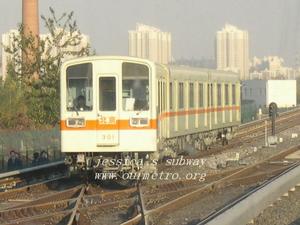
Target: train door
(107, 111)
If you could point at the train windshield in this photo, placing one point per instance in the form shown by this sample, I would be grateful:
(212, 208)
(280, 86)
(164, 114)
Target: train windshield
(79, 87)
(135, 87)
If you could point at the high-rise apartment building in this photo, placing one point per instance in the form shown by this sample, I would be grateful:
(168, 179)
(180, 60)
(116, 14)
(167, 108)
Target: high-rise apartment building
(150, 43)
(232, 50)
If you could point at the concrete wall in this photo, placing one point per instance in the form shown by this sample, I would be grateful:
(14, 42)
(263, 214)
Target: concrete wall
(263, 92)
(282, 92)
(255, 90)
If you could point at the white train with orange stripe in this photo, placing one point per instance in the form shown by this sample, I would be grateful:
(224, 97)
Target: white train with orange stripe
(117, 109)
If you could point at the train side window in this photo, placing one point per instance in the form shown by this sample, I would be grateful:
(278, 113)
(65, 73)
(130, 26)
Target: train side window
(210, 94)
(233, 94)
(107, 93)
(226, 94)
(200, 98)
(219, 95)
(171, 95)
(180, 95)
(191, 95)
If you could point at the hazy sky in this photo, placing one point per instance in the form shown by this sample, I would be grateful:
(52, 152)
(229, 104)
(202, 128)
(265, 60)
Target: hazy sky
(273, 25)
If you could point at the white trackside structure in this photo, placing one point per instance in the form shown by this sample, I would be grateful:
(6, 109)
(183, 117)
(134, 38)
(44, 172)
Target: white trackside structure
(118, 108)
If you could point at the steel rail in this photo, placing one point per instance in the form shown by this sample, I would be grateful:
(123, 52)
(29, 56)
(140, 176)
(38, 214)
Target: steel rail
(65, 194)
(74, 218)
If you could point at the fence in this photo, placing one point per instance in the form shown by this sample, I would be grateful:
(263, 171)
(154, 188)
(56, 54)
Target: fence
(26, 143)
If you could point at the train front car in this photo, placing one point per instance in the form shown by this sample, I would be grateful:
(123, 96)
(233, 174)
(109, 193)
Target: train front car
(108, 117)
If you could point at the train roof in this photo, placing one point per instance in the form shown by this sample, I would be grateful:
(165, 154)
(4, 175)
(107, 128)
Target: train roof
(106, 57)
(177, 71)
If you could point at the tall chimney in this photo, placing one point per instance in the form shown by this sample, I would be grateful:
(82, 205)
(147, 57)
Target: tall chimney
(30, 17)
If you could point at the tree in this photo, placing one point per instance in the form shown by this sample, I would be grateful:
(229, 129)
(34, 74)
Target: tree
(13, 110)
(42, 95)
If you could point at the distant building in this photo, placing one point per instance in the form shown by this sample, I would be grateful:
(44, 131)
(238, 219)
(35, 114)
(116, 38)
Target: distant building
(263, 92)
(271, 67)
(84, 42)
(7, 40)
(232, 50)
(150, 43)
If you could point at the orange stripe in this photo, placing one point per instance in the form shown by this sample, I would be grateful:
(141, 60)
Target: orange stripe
(119, 125)
(125, 124)
(197, 111)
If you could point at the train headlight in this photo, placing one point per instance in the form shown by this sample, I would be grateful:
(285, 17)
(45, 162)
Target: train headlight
(75, 122)
(134, 121)
(139, 122)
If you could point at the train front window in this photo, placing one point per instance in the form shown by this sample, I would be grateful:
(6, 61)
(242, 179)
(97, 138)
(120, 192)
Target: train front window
(135, 87)
(79, 87)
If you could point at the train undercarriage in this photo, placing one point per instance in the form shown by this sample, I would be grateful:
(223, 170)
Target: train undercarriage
(124, 167)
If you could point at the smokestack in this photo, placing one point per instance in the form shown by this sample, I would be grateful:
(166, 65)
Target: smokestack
(30, 17)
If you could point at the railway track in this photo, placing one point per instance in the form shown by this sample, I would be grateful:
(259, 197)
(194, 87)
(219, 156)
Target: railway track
(258, 126)
(251, 175)
(256, 130)
(153, 203)
(43, 203)
(58, 208)
(40, 209)
(78, 204)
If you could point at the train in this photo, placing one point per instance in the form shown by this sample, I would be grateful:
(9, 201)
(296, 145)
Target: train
(119, 111)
